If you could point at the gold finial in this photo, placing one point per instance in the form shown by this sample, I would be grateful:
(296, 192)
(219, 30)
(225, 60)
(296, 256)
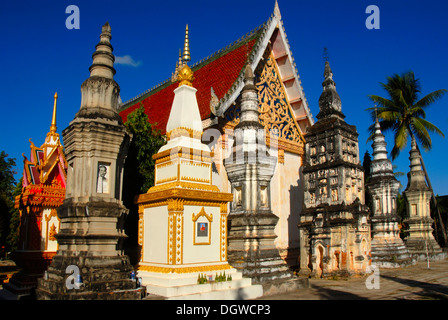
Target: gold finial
(53, 127)
(185, 76)
(186, 56)
(179, 62)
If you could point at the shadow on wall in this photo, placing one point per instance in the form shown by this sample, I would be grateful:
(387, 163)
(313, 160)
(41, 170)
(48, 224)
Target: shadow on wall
(296, 198)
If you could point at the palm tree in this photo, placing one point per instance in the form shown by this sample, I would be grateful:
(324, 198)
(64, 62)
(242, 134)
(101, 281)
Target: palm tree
(404, 114)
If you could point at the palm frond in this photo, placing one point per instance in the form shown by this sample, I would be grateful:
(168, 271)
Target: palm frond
(402, 112)
(429, 126)
(430, 98)
(382, 102)
(400, 140)
(421, 133)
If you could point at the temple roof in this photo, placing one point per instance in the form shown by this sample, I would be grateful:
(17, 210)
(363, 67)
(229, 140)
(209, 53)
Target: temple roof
(47, 165)
(45, 173)
(221, 77)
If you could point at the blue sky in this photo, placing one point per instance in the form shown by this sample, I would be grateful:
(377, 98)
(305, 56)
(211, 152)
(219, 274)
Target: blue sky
(40, 56)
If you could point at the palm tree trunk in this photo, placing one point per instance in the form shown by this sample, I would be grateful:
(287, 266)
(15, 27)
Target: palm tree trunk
(433, 198)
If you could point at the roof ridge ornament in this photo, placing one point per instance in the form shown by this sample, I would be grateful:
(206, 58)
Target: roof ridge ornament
(277, 10)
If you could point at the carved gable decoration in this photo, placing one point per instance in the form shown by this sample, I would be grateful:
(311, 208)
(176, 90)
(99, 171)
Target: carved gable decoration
(275, 111)
(276, 114)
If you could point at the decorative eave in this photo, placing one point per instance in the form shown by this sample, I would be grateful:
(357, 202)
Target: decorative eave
(41, 196)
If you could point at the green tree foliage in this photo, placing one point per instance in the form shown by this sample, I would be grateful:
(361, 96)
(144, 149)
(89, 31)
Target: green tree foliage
(139, 169)
(439, 207)
(7, 184)
(146, 141)
(14, 225)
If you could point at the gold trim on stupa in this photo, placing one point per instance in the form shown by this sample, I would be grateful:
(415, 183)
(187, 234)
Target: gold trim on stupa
(185, 76)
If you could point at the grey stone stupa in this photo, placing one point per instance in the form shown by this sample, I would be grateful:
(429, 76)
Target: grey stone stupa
(251, 237)
(334, 226)
(387, 248)
(88, 264)
(420, 241)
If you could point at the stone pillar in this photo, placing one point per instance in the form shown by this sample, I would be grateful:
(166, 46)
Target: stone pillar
(96, 143)
(420, 242)
(388, 250)
(250, 168)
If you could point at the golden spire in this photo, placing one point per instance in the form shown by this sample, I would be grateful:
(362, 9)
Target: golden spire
(180, 56)
(53, 127)
(186, 56)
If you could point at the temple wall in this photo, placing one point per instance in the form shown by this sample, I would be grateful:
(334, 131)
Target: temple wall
(287, 199)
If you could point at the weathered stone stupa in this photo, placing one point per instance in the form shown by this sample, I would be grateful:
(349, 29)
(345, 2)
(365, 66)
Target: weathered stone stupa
(420, 242)
(88, 264)
(334, 226)
(387, 248)
(251, 221)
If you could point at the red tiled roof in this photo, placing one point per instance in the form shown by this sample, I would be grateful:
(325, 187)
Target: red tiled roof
(219, 72)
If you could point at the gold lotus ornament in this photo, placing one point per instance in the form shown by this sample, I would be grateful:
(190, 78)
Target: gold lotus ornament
(185, 76)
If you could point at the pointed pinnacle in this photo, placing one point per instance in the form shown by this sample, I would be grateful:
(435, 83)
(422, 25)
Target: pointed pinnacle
(186, 55)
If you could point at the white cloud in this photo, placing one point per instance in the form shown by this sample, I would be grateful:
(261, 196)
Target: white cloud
(127, 60)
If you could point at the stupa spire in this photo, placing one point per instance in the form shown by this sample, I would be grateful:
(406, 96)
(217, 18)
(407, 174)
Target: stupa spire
(186, 54)
(249, 102)
(329, 101)
(100, 93)
(415, 157)
(379, 143)
(416, 176)
(103, 59)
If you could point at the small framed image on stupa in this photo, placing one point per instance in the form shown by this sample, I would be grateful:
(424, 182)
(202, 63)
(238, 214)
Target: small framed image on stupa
(201, 228)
